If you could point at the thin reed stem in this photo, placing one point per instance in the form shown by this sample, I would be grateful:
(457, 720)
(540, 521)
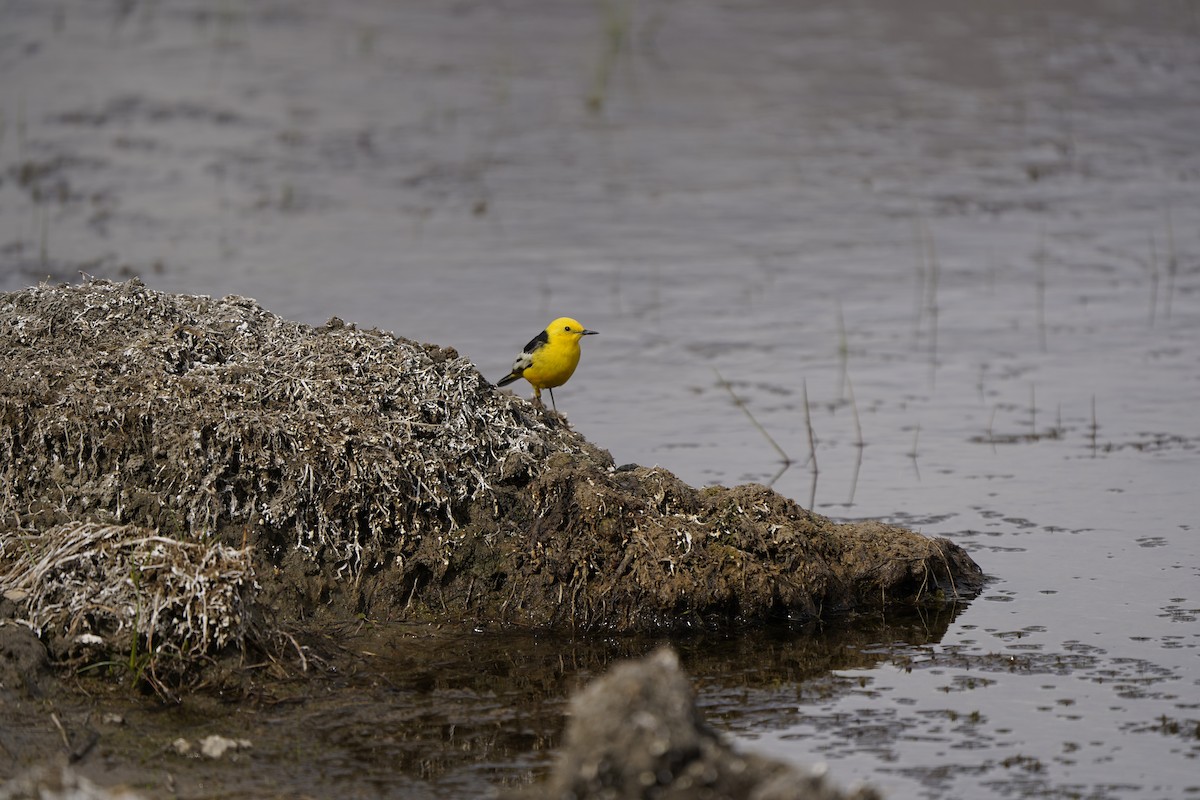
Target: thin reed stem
(742, 405)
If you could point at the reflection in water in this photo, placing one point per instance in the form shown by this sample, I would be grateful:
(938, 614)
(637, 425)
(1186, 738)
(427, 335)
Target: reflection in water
(473, 709)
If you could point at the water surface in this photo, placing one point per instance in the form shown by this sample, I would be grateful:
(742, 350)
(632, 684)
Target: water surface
(956, 249)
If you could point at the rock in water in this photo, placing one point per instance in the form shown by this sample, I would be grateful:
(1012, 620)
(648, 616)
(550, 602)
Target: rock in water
(637, 733)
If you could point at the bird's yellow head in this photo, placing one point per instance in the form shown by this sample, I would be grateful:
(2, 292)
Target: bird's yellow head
(566, 329)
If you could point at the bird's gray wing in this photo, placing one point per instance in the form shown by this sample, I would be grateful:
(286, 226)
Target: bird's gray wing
(537, 342)
(525, 360)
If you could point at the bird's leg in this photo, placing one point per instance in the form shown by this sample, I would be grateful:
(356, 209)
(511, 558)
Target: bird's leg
(537, 397)
(552, 405)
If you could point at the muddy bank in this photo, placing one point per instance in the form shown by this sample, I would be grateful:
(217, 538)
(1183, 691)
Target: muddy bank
(184, 475)
(635, 731)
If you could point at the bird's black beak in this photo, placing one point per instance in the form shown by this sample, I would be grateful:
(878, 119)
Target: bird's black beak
(586, 332)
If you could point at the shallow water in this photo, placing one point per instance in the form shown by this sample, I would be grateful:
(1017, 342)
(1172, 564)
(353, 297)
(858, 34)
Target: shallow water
(959, 245)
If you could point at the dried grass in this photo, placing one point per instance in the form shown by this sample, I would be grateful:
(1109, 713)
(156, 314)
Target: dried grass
(125, 586)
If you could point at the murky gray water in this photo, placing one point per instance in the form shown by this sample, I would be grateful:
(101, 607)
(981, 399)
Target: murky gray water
(961, 245)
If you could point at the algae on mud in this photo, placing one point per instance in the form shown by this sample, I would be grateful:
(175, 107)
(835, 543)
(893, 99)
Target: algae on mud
(286, 471)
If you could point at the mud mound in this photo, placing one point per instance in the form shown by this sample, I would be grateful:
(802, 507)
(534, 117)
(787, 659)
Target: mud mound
(174, 470)
(636, 733)
(23, 662)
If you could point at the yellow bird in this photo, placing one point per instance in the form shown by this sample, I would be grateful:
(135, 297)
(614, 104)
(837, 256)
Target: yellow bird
(550, 358)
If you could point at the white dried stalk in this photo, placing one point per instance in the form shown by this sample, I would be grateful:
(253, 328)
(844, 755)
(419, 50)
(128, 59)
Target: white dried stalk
(117, 582)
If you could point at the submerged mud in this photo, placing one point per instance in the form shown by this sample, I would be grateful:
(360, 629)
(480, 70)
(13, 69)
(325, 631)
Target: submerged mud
(185, 475)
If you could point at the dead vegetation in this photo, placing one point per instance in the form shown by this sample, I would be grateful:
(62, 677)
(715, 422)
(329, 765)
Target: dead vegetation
(175, 471)
(168, 601)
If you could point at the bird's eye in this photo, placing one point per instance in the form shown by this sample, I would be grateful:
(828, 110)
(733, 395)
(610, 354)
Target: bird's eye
(567, 328)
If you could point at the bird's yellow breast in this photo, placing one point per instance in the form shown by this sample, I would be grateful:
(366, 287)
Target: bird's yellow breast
(553, 362)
